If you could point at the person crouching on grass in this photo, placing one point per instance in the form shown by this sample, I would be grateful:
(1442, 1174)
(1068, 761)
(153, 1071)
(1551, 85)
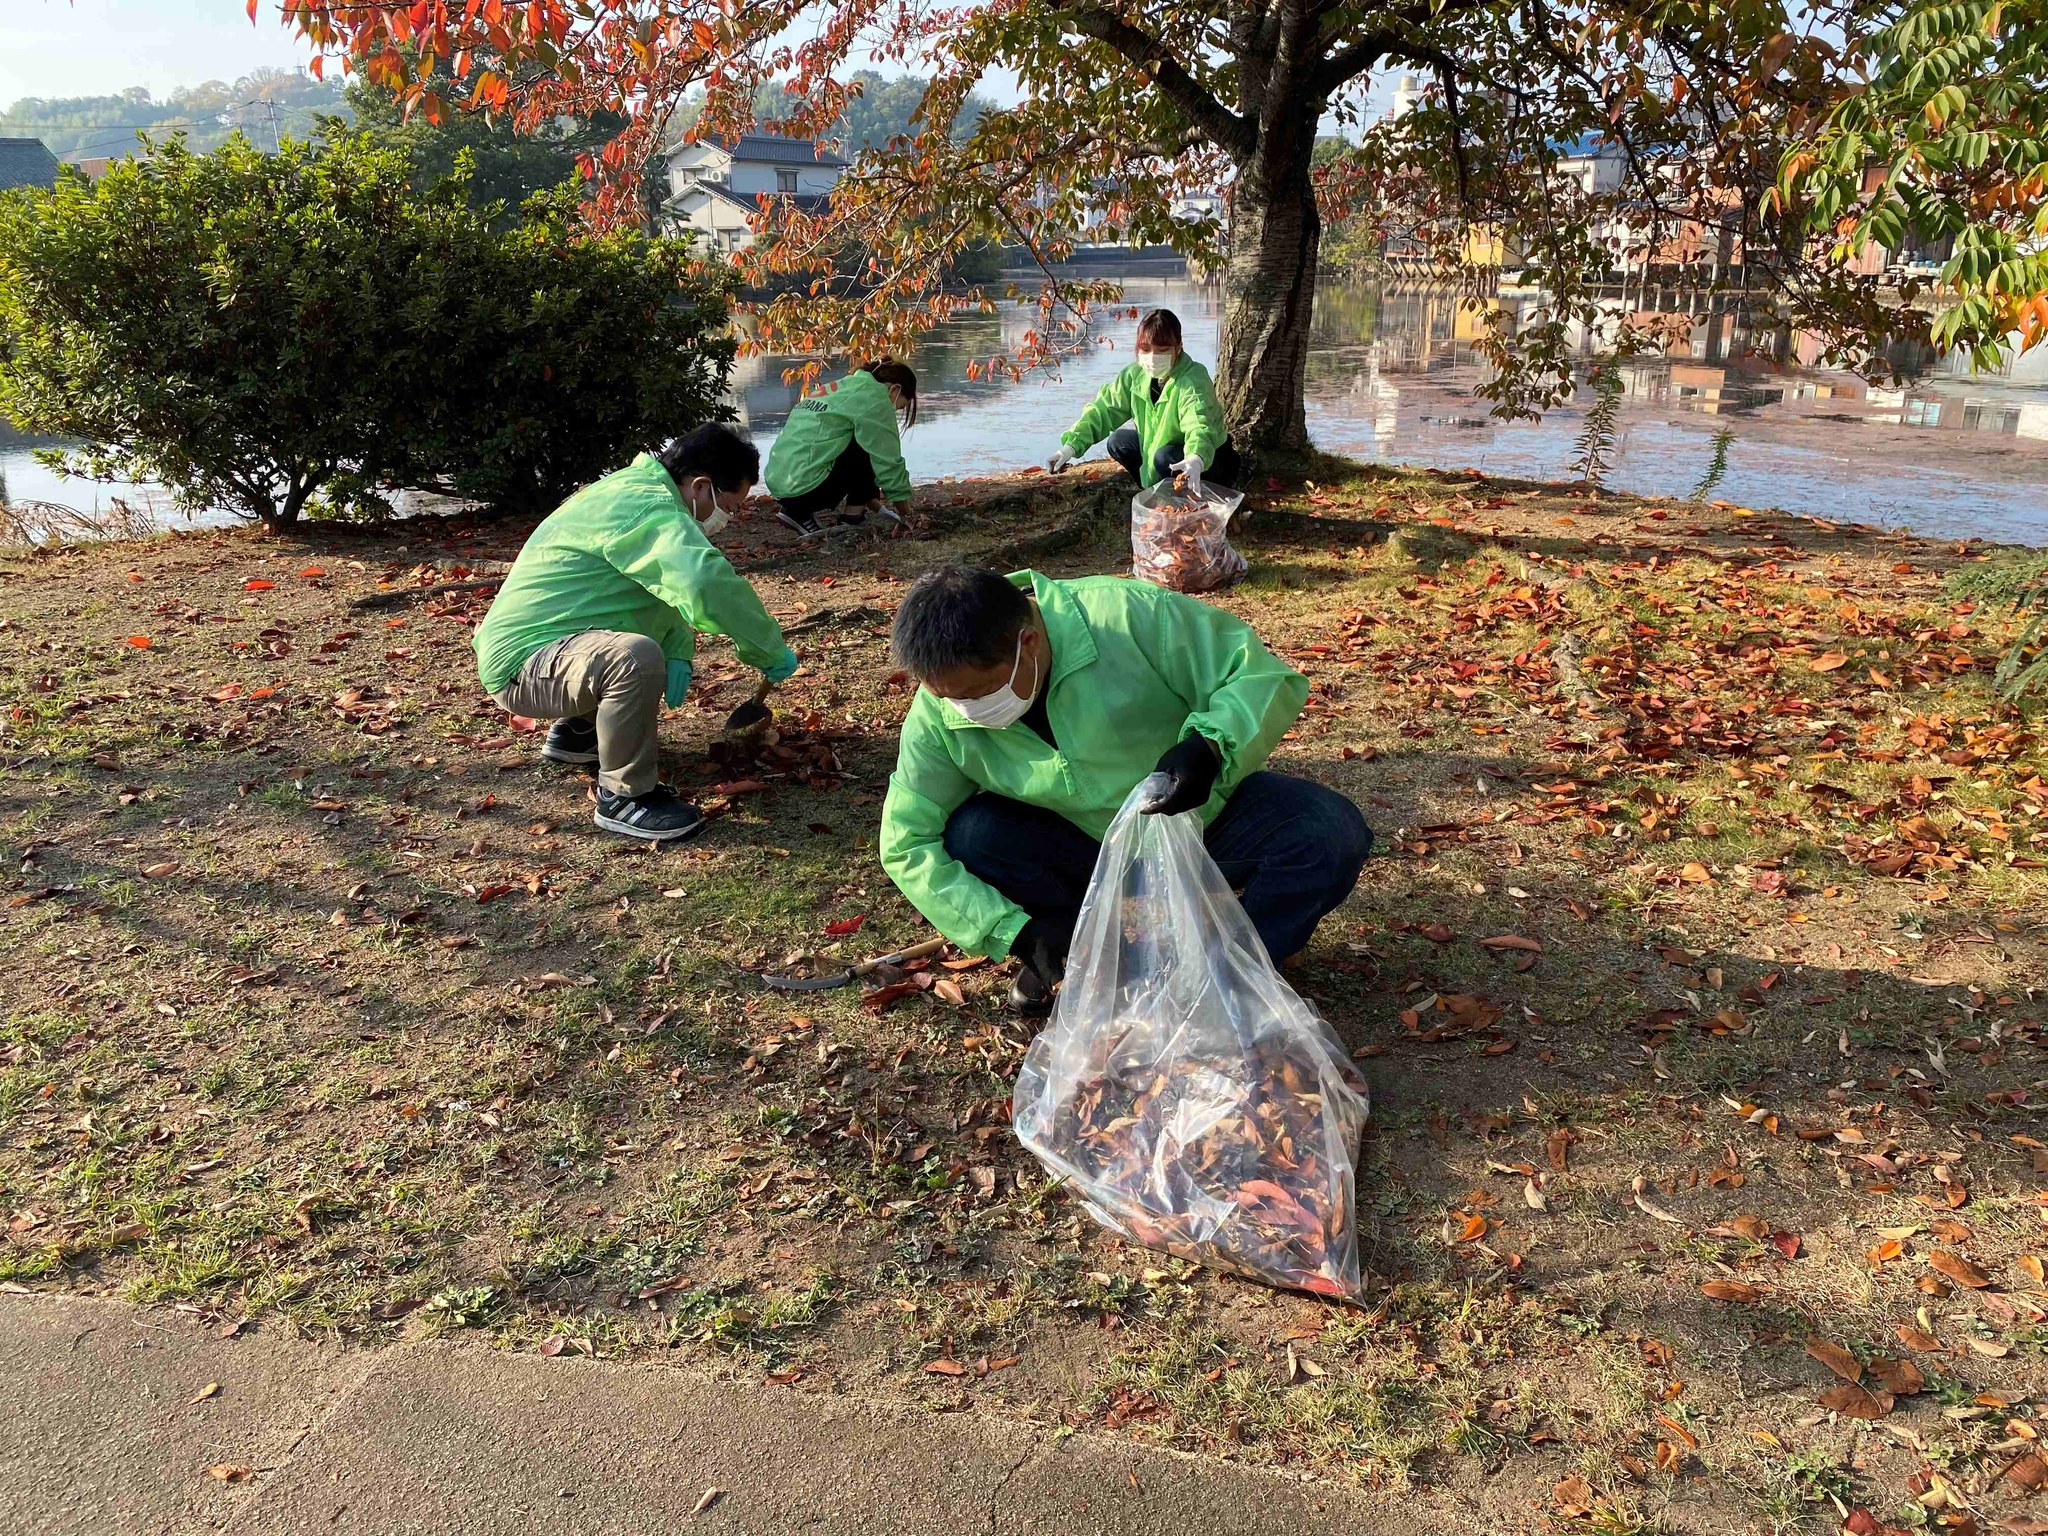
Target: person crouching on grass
(596, 626)
(1159, 418)
(1043, 704)
(843, 449)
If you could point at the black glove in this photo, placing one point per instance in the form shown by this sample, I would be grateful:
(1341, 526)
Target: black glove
(1042, 944)
(1193, 766)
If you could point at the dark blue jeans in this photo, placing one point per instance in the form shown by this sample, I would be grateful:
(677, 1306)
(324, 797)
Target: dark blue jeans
(1126, 448)
(1294, 848)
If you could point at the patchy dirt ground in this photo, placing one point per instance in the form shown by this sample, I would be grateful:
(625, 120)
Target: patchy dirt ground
(1710, 1202)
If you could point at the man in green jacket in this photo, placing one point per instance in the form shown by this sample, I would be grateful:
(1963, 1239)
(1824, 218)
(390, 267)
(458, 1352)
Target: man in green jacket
(1175, 426)
(1043, 705)
(596, 626)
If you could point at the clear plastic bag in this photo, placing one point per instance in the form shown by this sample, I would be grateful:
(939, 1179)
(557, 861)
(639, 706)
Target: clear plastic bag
(1194, 1100)
(1181, 540)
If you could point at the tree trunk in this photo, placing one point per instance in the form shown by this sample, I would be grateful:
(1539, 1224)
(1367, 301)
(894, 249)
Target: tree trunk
(1268, 299)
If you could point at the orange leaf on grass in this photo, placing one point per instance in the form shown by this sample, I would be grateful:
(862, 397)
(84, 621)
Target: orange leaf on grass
(1958, 1269)
(1918, 1338)
(845, 925)
(1856, 1402)
(1835, 1358)
(1732, 1290)
(1829, 661)
(141, 642)
(257, 584)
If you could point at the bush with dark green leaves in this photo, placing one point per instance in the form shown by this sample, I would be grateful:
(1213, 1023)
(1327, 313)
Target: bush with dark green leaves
(305, 332)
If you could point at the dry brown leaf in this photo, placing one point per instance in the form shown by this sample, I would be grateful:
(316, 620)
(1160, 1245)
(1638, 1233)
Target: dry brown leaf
(1958, 1268)
(1918, 1338)
(1901, 1378)
(2028, 1472)
(945, 1368)
(229, 1472)
(1731, 1290)
(947, 989)
(211, 1389)
(1532, 1196)
(1835, 1358)
(1857, 1402)
(1828, 661)
(1990, 1349)
(1649, 1207)
(1557, 1147)
(1512, 941)
(1574, 1497)
(709, 1497)
(2031, 1263)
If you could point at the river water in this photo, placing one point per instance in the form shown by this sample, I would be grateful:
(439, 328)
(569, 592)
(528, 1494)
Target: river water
(1391, 378)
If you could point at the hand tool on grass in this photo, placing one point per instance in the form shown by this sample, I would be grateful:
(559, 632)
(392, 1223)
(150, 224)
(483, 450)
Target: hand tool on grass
(853, 973)
(752, 715)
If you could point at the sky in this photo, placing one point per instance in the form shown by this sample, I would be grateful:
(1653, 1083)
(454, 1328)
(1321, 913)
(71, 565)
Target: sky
(98, 47)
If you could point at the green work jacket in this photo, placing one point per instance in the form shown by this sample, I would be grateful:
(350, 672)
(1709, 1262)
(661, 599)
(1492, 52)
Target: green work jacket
(1135, 668)
(624, 553)
(1186, 412)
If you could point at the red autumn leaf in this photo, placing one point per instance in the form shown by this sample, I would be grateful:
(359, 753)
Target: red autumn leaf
(257, 584)
(844, 926)
(141, 642)
(1958, 1269)
(895, 992)
(1786, 1243)
(491, 893)
(738, 787)
(310, 572)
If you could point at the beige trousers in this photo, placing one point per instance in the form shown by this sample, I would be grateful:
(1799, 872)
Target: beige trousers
(614, 678)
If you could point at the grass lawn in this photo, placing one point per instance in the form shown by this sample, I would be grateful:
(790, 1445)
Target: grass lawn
(328, 1009)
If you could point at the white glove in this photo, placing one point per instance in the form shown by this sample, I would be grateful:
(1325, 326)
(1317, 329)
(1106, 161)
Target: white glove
(1060, 459)
(1191, 466)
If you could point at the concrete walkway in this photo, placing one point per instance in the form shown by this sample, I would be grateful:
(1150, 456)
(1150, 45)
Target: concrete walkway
(102, 1435)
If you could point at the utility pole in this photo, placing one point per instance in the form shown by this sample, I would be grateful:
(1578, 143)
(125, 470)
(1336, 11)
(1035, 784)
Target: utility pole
(276, 142)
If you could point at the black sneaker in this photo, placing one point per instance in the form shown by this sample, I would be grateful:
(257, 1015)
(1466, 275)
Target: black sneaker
(571, 741)
(659, 816)
(804, 527)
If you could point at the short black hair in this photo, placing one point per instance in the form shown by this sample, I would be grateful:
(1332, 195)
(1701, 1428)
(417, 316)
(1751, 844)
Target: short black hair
(1160, 328)
(958, 616)
(714, 449)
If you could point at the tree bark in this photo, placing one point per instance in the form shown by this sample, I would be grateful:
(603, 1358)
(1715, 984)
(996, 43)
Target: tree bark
(1269, 298)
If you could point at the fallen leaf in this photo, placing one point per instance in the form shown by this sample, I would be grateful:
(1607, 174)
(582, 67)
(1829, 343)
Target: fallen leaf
(2027, 1472)
(1857, 1402)
(141, 642)
(1512, 941)
(2031, 1263)
(844, 926)
(1557, 1147)
(738, 787)
(1829, 661)
(211, 1389)
(1835, 1358)
(883, 997)
(1990, 1349)
(1436, 933)
(1917, 1338)
(1732, 1290)
(948, 990)
(229, 1472)
(1574, 1497)
(1532, 1196)
(158, 871)
(257, 584)
(944, 1368)
(1695, 874)
(1901, 1378)
(710, 1497)
(1649, 1207)
(1787, 1243)
(1958, 1269)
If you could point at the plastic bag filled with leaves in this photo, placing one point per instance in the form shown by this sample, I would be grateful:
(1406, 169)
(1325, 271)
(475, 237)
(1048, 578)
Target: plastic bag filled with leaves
(1196, 1103)
(1179, 538)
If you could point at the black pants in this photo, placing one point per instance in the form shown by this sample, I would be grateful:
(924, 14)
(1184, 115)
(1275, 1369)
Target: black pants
(1126, 448)
(1293, 847)
(851, 478)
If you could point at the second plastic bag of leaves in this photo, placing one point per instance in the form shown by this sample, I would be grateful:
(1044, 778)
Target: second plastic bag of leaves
(1197, 1104)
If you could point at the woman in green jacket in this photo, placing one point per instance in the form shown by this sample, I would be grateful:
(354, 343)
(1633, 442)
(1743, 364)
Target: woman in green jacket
(844, 448)
(1159, 415)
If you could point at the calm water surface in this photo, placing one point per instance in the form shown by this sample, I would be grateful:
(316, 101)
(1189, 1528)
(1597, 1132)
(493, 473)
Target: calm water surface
(1391, 378)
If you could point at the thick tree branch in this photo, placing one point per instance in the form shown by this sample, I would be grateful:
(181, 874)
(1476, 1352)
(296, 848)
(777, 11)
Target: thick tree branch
(1224, 128)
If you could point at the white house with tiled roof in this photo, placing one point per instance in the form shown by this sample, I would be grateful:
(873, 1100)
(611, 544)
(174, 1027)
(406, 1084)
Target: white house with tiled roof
(715, 188)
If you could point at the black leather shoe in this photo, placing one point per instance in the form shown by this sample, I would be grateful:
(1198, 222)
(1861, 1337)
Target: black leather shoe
(1030, 997)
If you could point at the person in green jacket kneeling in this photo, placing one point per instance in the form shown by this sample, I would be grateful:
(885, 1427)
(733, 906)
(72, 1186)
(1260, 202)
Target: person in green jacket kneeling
(596, 626)
(1044, 703)
(1159, 416)
(843, 449)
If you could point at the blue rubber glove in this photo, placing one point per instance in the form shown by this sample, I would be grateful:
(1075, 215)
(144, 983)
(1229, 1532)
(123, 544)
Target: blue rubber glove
(781, 671)
(678, 683)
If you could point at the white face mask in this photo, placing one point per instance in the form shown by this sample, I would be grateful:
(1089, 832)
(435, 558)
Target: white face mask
(1158, 364)
(1006, 706)
(713, 524)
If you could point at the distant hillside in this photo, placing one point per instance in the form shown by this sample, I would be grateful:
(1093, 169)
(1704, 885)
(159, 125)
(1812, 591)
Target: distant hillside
(82, 127)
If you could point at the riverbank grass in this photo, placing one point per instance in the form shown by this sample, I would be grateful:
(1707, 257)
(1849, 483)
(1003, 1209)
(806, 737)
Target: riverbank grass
(1696, 977)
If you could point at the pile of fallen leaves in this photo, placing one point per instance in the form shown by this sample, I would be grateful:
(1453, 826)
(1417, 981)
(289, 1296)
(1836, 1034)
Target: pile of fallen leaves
(1240, 1162)
(1180, 541)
